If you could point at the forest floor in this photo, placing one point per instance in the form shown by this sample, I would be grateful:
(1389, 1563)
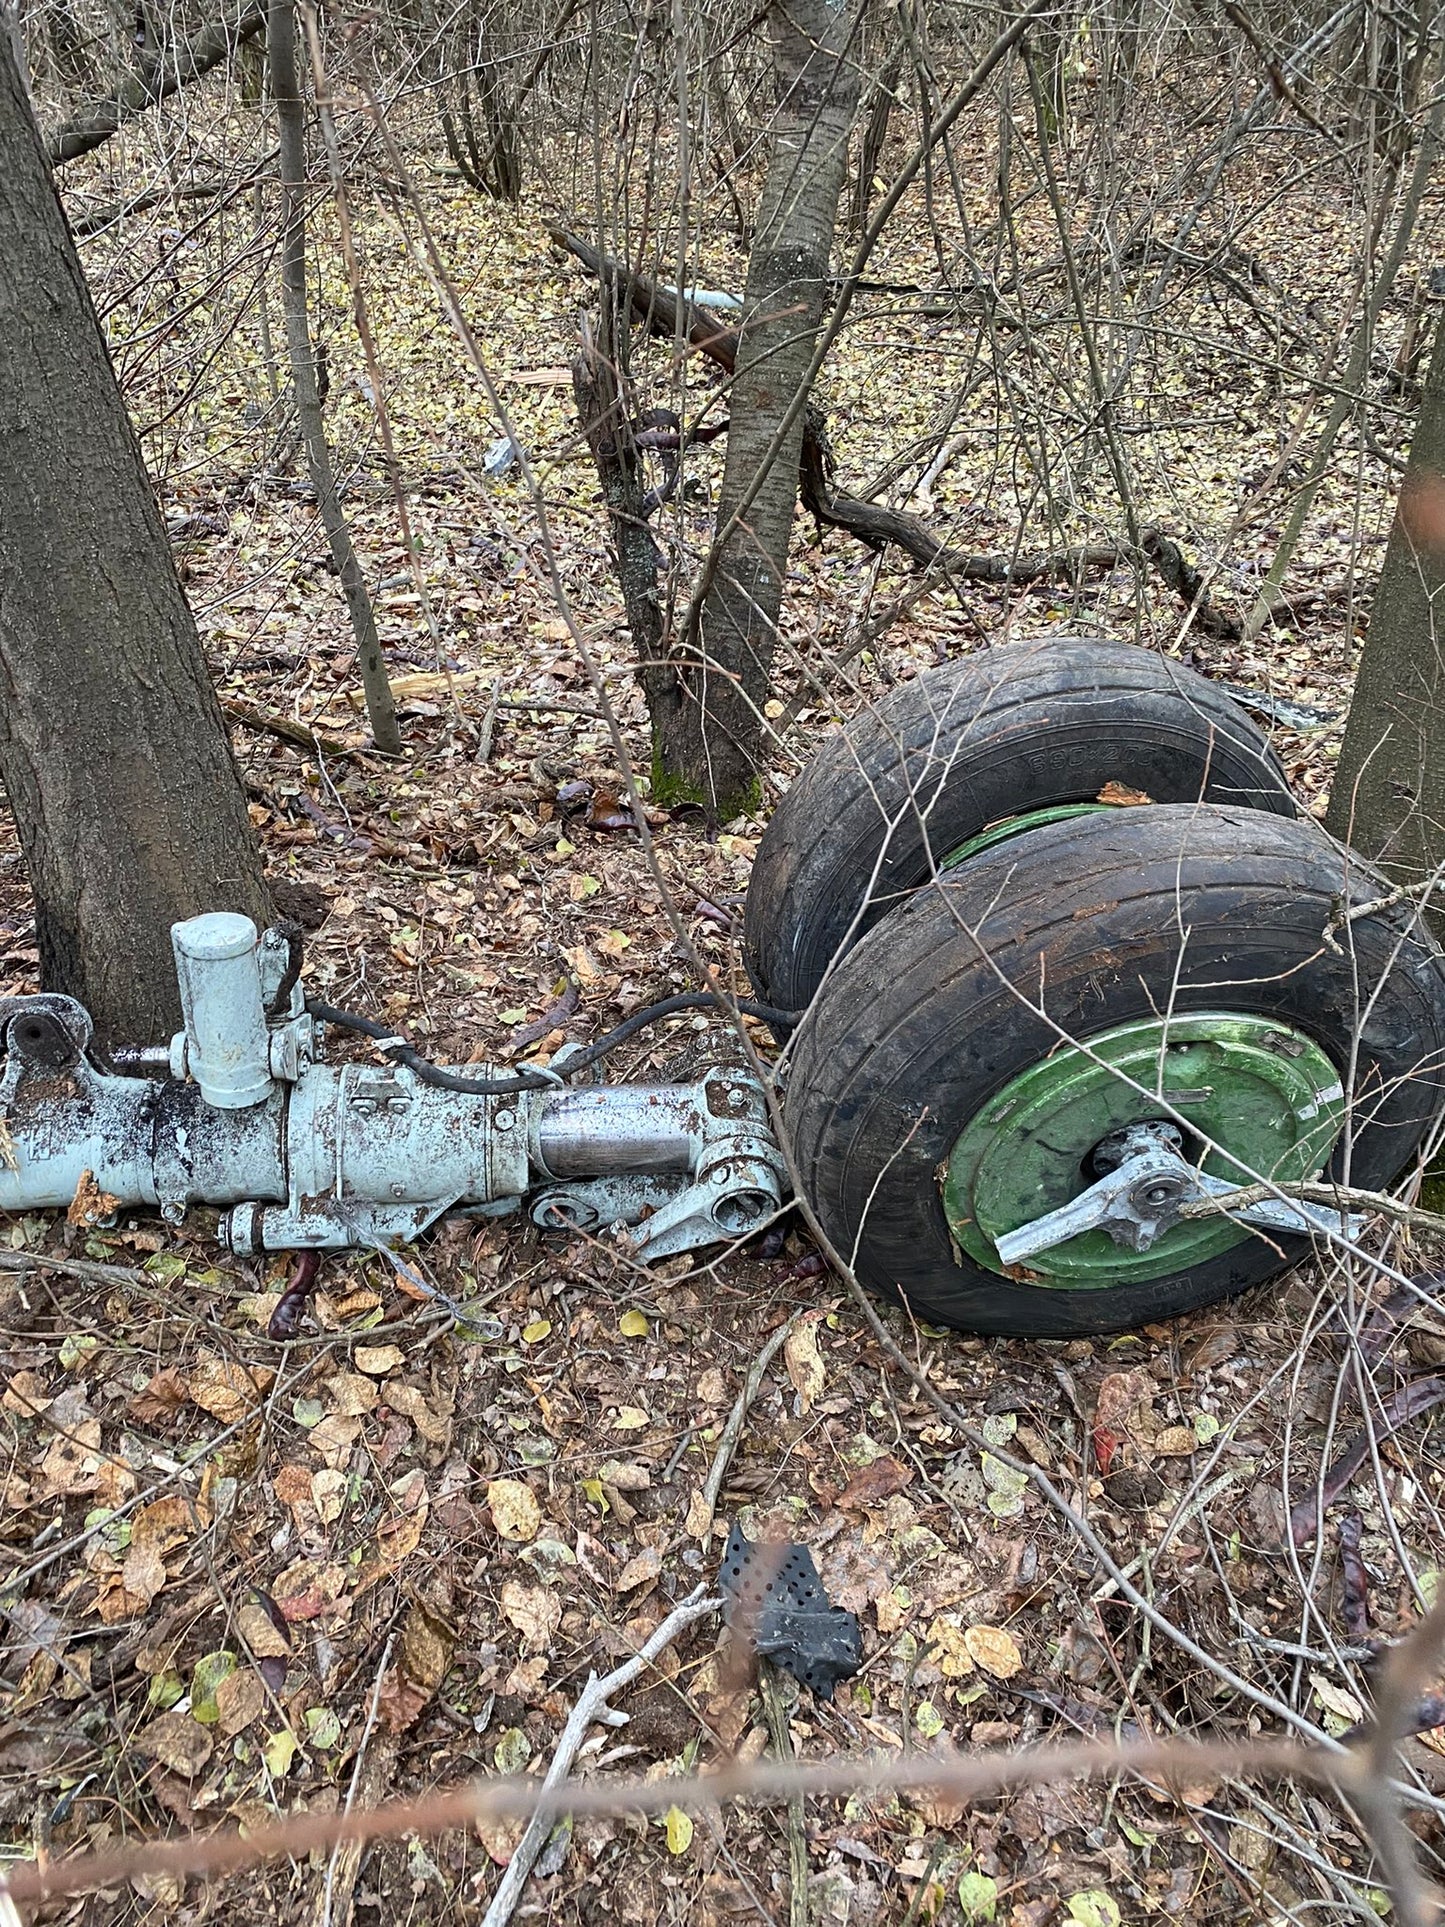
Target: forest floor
(245, 1578)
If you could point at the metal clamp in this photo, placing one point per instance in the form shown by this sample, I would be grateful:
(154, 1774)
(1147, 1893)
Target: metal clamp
(1144, 1196)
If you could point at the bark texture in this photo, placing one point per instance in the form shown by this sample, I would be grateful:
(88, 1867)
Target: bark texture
(712, 753)
(112, 746)
(1388, 798)
(605, 409)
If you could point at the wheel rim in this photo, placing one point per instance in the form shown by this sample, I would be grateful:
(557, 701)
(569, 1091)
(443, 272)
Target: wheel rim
(1012, 826)
(1265, 1094)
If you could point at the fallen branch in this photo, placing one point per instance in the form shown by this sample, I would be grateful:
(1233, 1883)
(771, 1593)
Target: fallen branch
(727, 1445)
(666, 315)
(164, 74)
(1343, 1196)
(289, 730)
(592, 1704)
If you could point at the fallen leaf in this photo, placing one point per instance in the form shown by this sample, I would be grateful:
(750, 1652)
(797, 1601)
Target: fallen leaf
(624, 1476)
(424, 1653)
(177, 1742)
(678, 1827)
(224, 1389)
(535, 1611)
(1093, 1908)
(1120, 797)
(350, 1394)
(514, 1509)
(994, 1650)
(279, 1751)
(240, 1699)
(377, 1360)
(875, 1482)
(634, 1324)
(161, 1399)
(804, 1361)
(206, 1676)
(90, 1205)
(1176, 1442)
(641, 1570)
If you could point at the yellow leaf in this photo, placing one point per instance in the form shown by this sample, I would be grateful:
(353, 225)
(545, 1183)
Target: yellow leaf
(633, 1324)
(630, 1418)
(994, 1650)
(679, 1830)
(514, 1509)
(279, 1751)
(537, 1330)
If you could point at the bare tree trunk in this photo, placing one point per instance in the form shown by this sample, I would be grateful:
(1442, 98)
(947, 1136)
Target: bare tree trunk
(291, 122)
(112, 746)
(1388, 798)
(712, 748)
(604, 408)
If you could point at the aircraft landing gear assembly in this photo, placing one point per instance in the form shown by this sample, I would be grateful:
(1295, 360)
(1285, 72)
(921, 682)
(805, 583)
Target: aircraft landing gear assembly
(1068, 971)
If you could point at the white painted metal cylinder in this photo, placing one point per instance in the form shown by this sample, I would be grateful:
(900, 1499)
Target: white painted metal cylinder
(227, 1043)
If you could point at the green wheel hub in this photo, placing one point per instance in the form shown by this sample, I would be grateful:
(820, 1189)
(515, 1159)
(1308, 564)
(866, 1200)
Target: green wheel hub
(1268, 1097)
(1011, 826)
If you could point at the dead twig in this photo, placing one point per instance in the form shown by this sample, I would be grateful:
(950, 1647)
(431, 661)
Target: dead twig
(592, 1704)
(728, 1444)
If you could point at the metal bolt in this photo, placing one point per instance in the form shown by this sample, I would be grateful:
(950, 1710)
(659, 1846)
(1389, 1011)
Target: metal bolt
(503, 1121)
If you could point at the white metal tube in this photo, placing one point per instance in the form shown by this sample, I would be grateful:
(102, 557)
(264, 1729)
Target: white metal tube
(227, 1044)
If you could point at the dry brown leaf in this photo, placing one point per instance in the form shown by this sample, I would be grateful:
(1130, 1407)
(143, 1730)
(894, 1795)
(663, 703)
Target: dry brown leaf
(263, 1638)
(177, 1742)
(423, 1656)
(514, 1509)
(350, 1394)
(804, 1361)
(161, 1399)
(535, 1611)
(1175, 1442)
(1124, 1398)
(1120, 796)
(640, 1571)
(333, 1439)
(873, 1483)
(240, 1699)
(434, 1426)
(224, 1389)
(377, 1360)
(71, 1464)
(26, 1394)
(698, 1523)
(328, 1494)
(993, 1649)
(144, 1572)
(949, 1645)
(623, 1476)
(90, 1205)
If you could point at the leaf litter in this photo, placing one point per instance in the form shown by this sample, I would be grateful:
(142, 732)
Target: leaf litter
(430, 1529)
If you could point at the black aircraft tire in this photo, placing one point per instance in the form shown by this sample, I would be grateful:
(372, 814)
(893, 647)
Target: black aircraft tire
(1110, 919)
(1013, 730)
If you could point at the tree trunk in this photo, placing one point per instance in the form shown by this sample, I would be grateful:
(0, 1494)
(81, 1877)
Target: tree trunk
(605, 408)
(711, 753)
(1388, 798)
(291, 124)
(112, 746)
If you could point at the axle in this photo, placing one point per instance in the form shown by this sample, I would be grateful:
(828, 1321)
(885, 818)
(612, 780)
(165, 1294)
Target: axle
(247, 1115)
